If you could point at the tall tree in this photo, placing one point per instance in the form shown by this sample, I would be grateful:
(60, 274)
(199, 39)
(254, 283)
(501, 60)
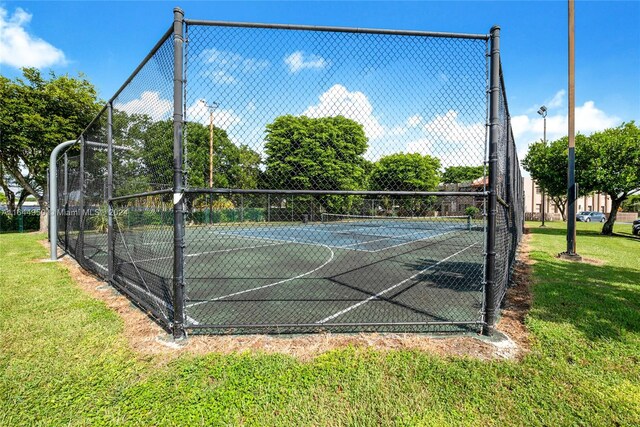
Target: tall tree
(458, 174)
(36, 114)
(616, 166)
(407, 172)
(547, 165)
(316, 154)
(147, 164)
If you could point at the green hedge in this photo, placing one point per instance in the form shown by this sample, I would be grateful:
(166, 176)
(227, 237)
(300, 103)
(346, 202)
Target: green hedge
(134, 218)
(229, 215)
(19, 223)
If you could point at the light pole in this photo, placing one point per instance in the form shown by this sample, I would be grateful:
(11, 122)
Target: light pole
(543, 112)
(211, 107)
(572, 187)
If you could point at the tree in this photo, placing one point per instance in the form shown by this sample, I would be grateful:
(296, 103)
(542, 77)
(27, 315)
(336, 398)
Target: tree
(316, 154)
(632, 204)
(458, 174)
(547, 165)
(407, 172)
(36, 114)
(616, 166)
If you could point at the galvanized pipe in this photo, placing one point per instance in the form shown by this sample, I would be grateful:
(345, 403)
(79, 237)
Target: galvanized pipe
(494, 118)
(335, 192)
(110, 231)
(178, 185)
(53, 198)
(336, 29)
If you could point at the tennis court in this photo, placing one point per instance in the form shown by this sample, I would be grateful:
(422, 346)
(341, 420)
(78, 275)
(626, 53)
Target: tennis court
(377, 189)
(343, 270)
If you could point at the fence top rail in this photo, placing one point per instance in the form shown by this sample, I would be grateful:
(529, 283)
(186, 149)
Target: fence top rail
(336, 29)
(335, 192)
(135, 72)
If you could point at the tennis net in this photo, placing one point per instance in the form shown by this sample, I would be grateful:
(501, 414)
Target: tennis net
(419, 222)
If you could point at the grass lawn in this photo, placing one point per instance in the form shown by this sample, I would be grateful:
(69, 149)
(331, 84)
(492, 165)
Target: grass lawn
(65, 361)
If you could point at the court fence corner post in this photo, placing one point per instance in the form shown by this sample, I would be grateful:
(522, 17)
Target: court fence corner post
(110, 230)
(490, 259)
(80, 242)
(177, 326)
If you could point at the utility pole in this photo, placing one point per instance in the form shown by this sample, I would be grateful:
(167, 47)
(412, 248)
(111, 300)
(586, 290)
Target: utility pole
(211, 107)
(571, 177)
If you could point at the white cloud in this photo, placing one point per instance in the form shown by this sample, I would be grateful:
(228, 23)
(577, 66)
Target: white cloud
(421, 146)
(448, 128)
(338, 101)
(226, 66)
(220, 76)
(414, 120)
(558, 99)
(530, 128)
(553, 103)
(454, 142)
(223, 119)
(411, 123)
(297, 62)
(150, 104)
(18, 48)
(398, 130)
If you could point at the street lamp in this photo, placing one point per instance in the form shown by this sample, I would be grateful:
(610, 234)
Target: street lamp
(543, 112)
(211, 107)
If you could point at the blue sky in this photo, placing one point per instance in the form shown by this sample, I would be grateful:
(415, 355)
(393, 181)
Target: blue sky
(106, 41)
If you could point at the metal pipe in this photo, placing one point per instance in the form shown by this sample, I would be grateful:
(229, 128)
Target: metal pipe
(53, 198)
(79, 252)
(137, 195)
(325, 325)
(572, 194)
(146, 59)
(131, 77)
(103, 145)
(336, 192)
(110, 231)
(336, 29)
(544, 195)
(66, 202)
(178, 185)
(494, 131)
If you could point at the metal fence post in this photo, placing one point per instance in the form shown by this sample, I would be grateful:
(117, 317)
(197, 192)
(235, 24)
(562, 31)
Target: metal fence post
(80, 242)
(494, 105)
(178, 187)
(110, 231)
(66, 202)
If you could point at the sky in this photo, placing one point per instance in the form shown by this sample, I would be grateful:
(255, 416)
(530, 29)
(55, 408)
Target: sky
(106, 41)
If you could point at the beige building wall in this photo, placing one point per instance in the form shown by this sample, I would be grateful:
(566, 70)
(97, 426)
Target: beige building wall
(533, 202)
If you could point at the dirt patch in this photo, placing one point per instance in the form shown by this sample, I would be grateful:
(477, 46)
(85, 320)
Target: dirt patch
(519, 299)
(149, 339)
(592, 261)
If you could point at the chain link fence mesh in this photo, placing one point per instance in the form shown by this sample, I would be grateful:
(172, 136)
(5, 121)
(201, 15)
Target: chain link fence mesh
(332, 181)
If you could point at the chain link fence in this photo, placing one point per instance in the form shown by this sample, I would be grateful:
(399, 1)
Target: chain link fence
(278, 179)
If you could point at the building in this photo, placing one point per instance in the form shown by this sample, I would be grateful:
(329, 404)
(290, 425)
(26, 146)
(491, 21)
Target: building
(533, 203)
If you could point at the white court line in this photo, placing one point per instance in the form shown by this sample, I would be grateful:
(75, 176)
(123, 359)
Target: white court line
(346, 310)
(392, 238)
(302, 242)
(210, 252)
(270, 284)
(413, 241)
